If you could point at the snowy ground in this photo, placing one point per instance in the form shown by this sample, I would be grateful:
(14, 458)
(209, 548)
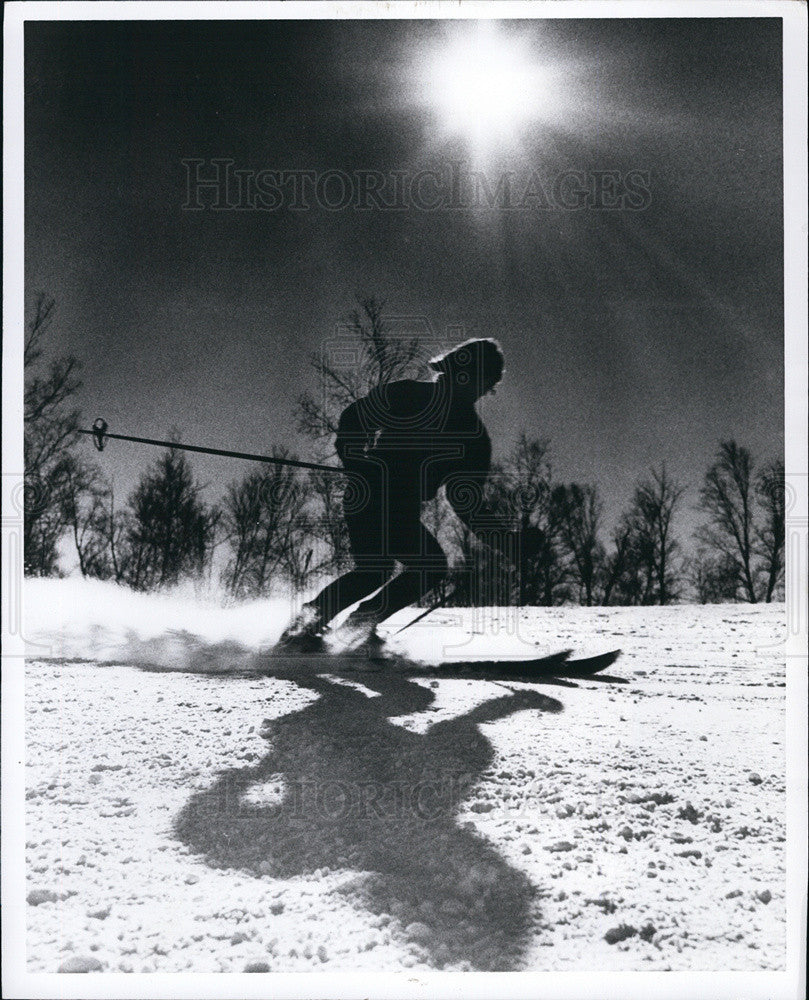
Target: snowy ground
(222, 821)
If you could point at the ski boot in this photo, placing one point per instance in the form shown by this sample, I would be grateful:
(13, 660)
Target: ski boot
(303, 634)
(357, 637)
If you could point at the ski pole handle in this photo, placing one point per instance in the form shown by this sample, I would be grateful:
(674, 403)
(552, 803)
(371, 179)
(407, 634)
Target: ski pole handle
(99, 432)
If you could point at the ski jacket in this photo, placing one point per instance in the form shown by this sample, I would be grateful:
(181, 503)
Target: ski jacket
(417, 436)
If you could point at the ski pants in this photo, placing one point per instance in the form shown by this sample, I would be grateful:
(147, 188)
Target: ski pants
(385, 529)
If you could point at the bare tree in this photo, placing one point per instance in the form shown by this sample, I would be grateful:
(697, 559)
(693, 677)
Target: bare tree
(328, 524)
(656, 500)
(83, 499)
(770, 532)
(482, 575)
(714, 579)
(520, 494)
(265, 525)
(552, 573)
(45, 394)
(117, 528)
(615, 564)
(727, 497)
(630, 572)
(641, 569)
(380, 358)
(171, 530)
(580, 513)
(50, 425)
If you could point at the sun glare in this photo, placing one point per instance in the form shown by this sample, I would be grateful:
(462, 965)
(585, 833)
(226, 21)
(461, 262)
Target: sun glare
(485, 85)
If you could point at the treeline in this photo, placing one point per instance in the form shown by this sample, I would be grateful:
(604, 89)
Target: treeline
(561, 556)
(277, 526)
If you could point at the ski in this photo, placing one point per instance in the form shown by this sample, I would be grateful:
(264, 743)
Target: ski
(557, 665)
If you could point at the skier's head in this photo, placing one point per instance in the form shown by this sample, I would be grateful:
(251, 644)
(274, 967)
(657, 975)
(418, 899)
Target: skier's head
(473, 368)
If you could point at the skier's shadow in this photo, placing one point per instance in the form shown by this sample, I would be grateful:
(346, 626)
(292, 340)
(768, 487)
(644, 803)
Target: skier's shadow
(363, 793)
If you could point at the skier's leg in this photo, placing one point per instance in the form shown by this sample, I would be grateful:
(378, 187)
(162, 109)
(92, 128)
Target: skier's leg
(372, 565)
(305, 630)
(347, 590)
(366, 533)
(424, 570)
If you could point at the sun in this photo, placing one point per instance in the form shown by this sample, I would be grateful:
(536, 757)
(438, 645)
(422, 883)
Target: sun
(485, 85)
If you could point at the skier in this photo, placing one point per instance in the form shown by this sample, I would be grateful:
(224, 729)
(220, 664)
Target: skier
(402, 442)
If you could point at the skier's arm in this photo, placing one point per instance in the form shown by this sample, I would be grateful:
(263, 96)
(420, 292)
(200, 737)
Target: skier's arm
(359, 425)
(466, 489)
(467, 498)
(354, 432)
(383, 407)
(466, 493)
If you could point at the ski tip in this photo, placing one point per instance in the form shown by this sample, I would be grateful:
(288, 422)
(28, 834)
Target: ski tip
(591, 664)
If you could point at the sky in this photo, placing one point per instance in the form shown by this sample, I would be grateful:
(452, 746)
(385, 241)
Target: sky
(636, 330)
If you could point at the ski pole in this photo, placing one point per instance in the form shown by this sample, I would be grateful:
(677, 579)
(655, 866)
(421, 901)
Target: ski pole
(423, 615)
(100, 434)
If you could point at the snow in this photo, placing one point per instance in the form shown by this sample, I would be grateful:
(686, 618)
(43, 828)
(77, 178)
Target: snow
(201, 815)
(100, 621)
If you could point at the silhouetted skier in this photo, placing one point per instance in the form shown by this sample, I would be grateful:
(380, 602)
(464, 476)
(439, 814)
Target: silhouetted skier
(403, 441)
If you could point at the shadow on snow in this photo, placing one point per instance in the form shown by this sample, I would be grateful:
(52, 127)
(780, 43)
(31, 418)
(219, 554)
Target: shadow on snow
(363, 793)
